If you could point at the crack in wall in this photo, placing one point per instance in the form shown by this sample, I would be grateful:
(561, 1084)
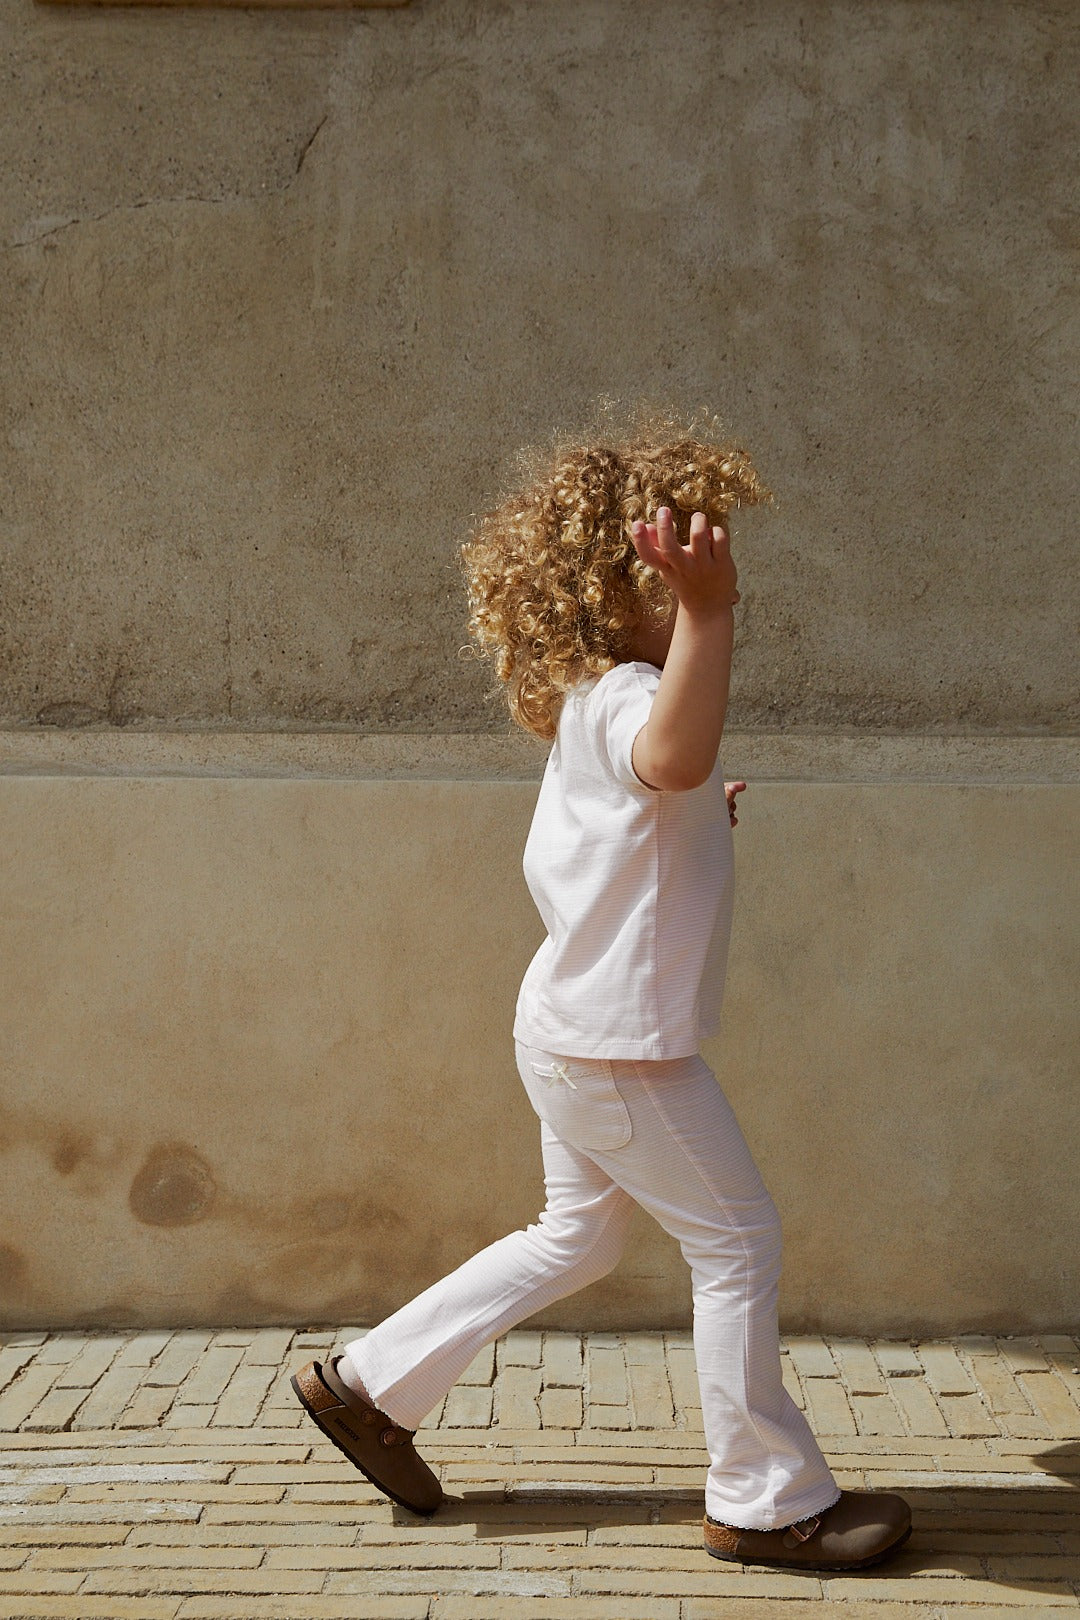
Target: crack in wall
(168, 202)
(305, 149)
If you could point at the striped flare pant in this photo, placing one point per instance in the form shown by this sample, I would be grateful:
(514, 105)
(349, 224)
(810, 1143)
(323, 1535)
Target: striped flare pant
(615, 1132)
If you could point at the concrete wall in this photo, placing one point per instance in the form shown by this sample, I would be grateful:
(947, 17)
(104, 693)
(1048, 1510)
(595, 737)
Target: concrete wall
(258, 1039)
(282, 292)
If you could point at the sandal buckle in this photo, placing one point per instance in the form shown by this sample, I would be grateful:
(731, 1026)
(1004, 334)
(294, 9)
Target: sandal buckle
(801, 1535)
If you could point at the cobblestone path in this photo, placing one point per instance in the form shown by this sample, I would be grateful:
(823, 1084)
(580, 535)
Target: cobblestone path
(173, 1476)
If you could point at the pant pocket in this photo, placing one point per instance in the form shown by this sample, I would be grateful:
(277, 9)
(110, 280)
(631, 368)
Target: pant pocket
(578, 1097)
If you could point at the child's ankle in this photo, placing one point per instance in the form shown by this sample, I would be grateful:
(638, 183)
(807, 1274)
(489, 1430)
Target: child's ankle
(351, 1379)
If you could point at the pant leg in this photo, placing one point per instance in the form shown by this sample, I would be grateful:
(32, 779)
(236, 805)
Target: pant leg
(689, 1165)
(412, 1358)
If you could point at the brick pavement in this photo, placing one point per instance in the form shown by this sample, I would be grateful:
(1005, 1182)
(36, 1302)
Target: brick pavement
(173, 1476)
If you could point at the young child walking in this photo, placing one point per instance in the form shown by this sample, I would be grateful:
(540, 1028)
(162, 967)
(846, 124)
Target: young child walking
(604, 590)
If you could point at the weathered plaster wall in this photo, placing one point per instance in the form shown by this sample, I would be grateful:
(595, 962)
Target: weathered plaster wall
(282, 292)
(261, 1029)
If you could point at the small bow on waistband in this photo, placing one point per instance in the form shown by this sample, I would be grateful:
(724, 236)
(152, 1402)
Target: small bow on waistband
(558, 1072)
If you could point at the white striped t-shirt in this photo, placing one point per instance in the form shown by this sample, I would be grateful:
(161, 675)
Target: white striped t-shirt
(634, 886)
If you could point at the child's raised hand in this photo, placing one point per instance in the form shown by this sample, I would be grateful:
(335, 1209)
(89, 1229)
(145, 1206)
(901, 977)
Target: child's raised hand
(701, 574)
(731, 789)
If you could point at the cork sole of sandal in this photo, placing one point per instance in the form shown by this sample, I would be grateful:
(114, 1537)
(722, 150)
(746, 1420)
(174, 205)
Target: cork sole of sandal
(423, 1513)
(784, 1563)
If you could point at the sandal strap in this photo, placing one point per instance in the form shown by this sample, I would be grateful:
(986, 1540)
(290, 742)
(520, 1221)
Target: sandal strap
(392, 1434)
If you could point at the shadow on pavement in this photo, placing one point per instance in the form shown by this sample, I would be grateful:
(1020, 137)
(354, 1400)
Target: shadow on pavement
(1020, 1538)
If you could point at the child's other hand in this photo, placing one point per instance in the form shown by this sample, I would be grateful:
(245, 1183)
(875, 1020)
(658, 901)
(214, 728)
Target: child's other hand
(731, 788)
(701, 574)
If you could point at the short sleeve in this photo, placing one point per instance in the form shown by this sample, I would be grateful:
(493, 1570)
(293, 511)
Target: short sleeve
(618, 707)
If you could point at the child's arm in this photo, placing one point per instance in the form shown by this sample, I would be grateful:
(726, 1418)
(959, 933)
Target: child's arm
(677, 749)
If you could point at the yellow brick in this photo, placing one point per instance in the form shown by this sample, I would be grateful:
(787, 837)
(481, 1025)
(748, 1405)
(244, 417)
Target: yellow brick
(37, 1581)
(682, 1375)
(205, 1384)
(685, 1474)
(82, 1607)
(360, 1606)
(998, 1543)
(462, 1607)
(964, 1610)
(1024, 1567)
(468, 1406)
(65, 1512)
(158, 1493)
(563, 1360)
(29, 1493)
(794, 1608)
(215, 1448)
(606, 1375)
(420, 1555)
(413, 1534)
(91, 1362)
(494, 1583)
(146, 1406)
(866, 1586)
(269, 1347)
(259, 1535)
(517, 1398)
(321, 1470)
(296, 1511)
(876, 1414)
(182, 1581)
(190, 1417)
(1013, 1463)
(521, 1347)
(561, 1408)
(677, 1558)
(481, 1369)
(858, 1369)
(920, 1410)
(20, 1398)
(243, 1396)
(650, 1397)
(493, 1439)
(810, 1356)
(649, 1535)
(642, 1440)
(998, 1387)
(944, 1369)
(966, 1414)
(43, 1535)
(721, 1579)
(1053, 1402)
(185, 1556)
(356, 1494)
(56, 1410)
(827, 1406)
(547, 1512)
(608, 1417)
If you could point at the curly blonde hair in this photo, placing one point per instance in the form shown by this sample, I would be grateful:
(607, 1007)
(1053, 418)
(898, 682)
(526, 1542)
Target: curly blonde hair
(556, 588)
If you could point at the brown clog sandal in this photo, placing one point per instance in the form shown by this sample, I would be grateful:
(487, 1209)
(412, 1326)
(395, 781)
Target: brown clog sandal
(859, 1529)
(373, 1442)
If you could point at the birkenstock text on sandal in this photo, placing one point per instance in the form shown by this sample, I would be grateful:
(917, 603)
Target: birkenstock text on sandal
(859, 1529)
(380, 1448)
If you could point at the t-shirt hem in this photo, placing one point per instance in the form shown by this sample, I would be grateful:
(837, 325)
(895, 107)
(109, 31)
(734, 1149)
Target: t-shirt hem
(573, 1043)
